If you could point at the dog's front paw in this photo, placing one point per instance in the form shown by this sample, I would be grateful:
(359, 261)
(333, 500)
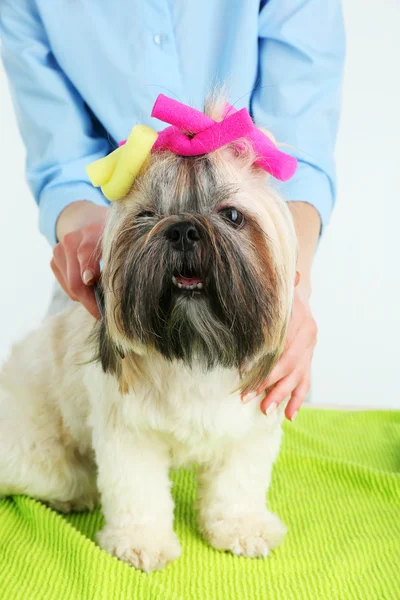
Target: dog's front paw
(149, 548)
(252, 535)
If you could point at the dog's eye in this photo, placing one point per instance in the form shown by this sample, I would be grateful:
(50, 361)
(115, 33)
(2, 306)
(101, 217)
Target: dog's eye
(146, 214)
(232, 215)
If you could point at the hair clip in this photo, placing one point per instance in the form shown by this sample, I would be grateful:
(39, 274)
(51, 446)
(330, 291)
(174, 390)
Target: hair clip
(116, 172)
(190, 133)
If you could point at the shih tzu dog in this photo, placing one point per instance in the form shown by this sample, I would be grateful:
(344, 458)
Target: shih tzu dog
(199, 269)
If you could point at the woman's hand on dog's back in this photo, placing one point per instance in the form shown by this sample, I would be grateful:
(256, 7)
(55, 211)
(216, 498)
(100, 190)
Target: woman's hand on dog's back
(76, 258)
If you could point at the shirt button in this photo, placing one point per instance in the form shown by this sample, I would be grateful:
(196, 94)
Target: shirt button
(158, 39)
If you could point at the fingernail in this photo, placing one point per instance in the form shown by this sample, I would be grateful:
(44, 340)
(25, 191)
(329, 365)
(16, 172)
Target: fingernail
(294, 415)
(271, 408)
(248, 397)
(88, 277)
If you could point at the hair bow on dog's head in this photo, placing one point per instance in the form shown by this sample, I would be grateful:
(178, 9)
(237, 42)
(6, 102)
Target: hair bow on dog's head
(191, 133)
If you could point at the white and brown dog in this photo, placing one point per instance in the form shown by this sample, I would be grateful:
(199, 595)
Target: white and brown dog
(199, 270)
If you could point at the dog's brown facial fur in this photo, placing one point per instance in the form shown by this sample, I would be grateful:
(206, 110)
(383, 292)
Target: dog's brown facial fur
(238, 243)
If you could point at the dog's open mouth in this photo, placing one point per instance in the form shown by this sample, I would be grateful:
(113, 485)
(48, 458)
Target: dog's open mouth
(190, 284)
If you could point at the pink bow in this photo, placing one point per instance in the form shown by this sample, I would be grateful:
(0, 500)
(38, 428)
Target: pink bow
(192, 133)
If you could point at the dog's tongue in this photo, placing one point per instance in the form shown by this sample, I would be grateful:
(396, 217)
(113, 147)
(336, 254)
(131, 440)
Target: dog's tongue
(188, 280)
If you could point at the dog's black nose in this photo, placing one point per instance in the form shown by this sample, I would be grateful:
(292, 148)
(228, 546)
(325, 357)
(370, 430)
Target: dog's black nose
(183, 236)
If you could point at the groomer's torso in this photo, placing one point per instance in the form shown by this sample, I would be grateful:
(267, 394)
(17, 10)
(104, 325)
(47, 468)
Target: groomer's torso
(120, 54)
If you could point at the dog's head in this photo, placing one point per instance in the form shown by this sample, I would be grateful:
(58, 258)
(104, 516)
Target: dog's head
(199, 264)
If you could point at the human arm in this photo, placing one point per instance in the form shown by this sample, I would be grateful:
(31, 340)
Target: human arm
(58, 132)
(60, 138)
(298, 100)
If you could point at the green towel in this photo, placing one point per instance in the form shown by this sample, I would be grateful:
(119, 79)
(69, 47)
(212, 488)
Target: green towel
(336, 485)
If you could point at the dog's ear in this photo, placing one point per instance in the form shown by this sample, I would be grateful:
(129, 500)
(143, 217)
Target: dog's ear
(125, 368)
(108, 354)
(256, 372)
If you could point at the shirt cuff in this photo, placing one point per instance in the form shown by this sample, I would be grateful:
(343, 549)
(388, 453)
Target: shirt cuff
(54, 199)
(313, 186)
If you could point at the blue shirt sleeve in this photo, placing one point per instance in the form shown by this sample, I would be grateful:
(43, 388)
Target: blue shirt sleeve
(58, 132)
(298, 93)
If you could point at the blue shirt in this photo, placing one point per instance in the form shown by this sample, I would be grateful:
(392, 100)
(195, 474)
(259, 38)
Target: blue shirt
(83, 72)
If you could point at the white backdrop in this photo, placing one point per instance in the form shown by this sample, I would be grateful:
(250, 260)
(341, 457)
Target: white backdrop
(356, 275)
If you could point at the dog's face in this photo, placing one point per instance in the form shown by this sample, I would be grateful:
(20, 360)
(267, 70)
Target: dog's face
(200, 264)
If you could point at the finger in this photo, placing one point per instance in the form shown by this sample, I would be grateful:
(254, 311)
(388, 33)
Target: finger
(289, 360)
(298, 396)
(89, 259)
(59, 266)
(279, 393)
(59, 276)
(73, 273)
(76, 288)
(89, 302)
(79, 291)
(278, 372)
(60, 260)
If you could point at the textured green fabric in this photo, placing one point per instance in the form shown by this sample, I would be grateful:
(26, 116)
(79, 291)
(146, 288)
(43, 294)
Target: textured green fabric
(336, 485)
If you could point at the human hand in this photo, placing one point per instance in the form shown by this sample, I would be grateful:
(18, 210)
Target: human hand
(291, 375)
(76, 258)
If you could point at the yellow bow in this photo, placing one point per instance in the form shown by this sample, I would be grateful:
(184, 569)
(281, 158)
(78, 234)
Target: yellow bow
(116, 172)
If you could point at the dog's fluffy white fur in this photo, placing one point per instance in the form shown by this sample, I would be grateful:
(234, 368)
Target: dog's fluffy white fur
(72, 435)
(56, 406)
